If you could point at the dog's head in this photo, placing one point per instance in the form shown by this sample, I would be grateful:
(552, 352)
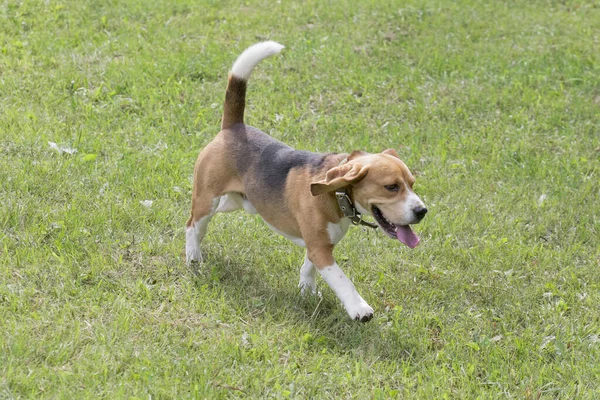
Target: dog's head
(380, 185)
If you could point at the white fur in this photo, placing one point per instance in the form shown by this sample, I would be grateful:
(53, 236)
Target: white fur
(230, 202)
(344, 289)
(307, 277)
(412, 202)
(192, 245)
(296, 240)
(361, 209)
(245, 63)
(195, 233)
(337, 231)
(234, 201)
(249, 207)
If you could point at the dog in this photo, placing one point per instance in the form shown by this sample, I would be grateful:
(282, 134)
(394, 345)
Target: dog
(309, 198)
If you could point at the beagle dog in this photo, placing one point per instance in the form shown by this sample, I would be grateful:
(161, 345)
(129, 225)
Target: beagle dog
(308, 198)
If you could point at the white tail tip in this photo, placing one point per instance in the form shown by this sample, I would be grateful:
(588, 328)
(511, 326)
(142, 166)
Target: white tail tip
(245, 63)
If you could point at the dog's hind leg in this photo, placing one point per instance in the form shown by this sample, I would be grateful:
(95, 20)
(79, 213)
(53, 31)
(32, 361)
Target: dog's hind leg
(203, 209)
(216, 189)
(307, 277)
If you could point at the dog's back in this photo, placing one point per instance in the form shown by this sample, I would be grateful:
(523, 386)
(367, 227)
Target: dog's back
(262, 161)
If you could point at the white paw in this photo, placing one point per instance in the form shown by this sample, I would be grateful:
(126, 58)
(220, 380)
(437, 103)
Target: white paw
(307, 286)
(193, 255)
(192, 246)
(359, 310)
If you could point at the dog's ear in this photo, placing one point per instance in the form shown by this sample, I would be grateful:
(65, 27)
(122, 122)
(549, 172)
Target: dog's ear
(356, 154)
(391, 152)
(338, 177)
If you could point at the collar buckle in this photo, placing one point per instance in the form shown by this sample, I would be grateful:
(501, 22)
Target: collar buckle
(348, 209)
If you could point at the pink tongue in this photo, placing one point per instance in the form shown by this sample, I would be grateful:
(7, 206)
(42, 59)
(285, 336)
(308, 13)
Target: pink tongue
(407, 236)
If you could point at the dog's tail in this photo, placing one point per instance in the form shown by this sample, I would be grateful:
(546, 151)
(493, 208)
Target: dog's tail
(235, 96)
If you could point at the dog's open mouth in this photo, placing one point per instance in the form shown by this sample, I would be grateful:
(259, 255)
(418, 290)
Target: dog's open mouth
(401, 232)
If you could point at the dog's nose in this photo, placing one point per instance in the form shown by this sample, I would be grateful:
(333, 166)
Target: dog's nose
(420, 212)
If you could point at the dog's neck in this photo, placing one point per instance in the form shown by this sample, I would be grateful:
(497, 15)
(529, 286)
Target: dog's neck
(347, 207)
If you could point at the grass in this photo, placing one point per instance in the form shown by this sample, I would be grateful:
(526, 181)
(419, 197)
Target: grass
(494, 105)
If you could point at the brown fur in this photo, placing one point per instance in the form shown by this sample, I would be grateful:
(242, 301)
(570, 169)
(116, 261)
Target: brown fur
(235, 97)
(309, 202)
(295, 194)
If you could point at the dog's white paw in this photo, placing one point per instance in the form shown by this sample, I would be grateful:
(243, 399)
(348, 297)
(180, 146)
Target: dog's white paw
(359, 310)
(193, 256)
(307, 286)
(192, 246)
(308, 282)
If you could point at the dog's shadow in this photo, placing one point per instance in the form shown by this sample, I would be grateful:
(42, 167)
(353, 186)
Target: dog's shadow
(254, 292)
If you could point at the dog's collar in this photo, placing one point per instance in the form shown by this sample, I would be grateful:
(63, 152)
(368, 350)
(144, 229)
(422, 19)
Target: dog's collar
(348, 209)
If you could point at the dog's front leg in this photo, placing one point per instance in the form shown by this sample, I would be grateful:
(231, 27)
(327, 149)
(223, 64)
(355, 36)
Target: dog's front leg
(343, 287)
(355, 305)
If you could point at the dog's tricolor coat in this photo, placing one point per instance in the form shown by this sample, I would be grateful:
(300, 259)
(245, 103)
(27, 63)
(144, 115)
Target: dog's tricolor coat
(294, 191)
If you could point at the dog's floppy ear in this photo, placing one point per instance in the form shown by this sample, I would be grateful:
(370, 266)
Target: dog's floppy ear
(338, 177)
(391, 152)
(357, 153)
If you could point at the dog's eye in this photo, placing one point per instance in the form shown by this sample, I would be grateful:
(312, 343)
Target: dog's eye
(392, 188)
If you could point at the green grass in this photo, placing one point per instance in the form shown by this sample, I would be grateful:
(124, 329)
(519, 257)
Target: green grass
(494, 105)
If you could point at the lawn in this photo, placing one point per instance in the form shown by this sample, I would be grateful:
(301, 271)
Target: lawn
(495, 107)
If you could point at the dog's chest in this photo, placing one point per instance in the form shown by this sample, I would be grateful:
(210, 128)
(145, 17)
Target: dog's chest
(337, 231)
(296, 240)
